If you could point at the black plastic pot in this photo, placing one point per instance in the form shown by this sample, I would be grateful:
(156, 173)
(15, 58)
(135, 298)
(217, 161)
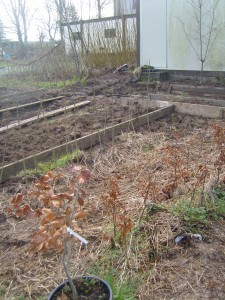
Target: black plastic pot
(61, 286)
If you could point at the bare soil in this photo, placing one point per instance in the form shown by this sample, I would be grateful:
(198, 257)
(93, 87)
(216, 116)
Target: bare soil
(162, 269)
(18, 143)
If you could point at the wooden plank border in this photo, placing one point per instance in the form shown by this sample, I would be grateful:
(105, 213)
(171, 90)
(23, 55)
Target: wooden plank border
(44, 115)
(85, 142)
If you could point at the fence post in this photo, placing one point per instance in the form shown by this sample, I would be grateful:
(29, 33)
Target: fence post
(124, 34)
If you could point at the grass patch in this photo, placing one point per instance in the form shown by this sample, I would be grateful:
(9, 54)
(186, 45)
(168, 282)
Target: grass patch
(61, 83)
(105, 268)
(194, 215)
(121, 290)
(43, 168)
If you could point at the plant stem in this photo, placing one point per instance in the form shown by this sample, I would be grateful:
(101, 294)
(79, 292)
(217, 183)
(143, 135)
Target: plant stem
(67, 246)
(66, 258)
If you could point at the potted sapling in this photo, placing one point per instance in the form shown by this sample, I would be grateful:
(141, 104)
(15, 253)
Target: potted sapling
(57, 201)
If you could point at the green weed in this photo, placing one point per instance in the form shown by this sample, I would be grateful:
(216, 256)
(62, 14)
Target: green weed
(121, 291)
(43, 168)
(105, 269)
(61, 83)
(191, 214)
(214, 209)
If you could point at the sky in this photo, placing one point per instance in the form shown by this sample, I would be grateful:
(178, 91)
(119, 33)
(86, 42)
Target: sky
(86, 10)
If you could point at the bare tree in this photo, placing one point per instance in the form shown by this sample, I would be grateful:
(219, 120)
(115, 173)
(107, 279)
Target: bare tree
(206, 26)
(66, 12)
(101, 4)
(2, 33)
(49, 22)
(41, 37)
(18, 15)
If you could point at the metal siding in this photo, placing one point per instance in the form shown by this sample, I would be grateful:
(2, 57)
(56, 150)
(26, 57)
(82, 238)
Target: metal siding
(153, 36)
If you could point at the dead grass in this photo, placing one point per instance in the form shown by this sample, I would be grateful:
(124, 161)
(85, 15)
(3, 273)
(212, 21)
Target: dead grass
(161, 269)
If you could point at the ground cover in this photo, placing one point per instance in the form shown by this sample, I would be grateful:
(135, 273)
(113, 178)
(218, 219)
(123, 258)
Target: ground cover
(148, 264)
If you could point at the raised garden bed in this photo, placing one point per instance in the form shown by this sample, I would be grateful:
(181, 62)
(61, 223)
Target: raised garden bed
(106, 119)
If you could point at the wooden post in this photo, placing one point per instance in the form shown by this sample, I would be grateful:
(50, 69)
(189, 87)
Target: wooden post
(124, 34)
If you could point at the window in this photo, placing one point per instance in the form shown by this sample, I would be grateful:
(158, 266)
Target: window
(110, 33)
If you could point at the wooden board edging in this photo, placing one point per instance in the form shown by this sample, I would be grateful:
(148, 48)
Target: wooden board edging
(44, 115)
(11, 170)
(33, 93)
(30, 104)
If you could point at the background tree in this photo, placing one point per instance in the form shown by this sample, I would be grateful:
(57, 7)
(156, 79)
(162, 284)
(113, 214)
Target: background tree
(101, 4)
(66, 12)
(18, 15)
(49, 21)
(2, 37)
(206, 26)
(2, 33)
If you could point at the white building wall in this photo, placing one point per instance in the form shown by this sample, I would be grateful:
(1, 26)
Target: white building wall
(163, 42)
(153, 33)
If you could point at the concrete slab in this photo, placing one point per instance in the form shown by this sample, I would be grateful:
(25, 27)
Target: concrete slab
(175, 98)
(207, 111)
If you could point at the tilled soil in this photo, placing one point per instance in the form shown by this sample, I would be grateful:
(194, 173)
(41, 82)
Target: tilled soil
(104, 91)
(9, 117)
(19, 142)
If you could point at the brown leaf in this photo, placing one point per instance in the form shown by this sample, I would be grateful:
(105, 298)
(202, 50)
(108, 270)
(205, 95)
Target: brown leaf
(44, 178)
(38, 213)
(48, 218)
(27, 211)
(63, 196)
(17, 199)
(41, 186)
(33, 194)
(57, 203)
(68, 211)
(37, 238)
(46, 211)
(19, 213)
(57, 224)
(52, 243)
(72, 185)
(42, 247)
(80, 201)
(80, 215)
(84, 176)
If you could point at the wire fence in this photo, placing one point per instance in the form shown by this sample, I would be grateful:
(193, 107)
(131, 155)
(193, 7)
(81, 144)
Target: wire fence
(103, 43)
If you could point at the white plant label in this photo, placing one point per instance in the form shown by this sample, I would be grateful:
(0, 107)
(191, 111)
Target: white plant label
(70, 231)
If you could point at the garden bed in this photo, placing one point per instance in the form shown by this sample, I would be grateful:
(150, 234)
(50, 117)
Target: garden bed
(19, 142)
(155, 266)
